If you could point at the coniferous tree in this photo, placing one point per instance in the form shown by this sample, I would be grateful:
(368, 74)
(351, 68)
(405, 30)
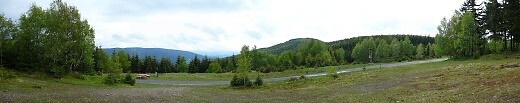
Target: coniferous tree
(204, 64)
(181, 64)
(194, 65)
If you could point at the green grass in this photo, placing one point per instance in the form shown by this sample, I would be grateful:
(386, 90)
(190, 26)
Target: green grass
(449, 81)
(228, 76)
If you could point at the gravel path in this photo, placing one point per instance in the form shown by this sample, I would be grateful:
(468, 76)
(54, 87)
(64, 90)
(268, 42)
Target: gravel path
(285, 78)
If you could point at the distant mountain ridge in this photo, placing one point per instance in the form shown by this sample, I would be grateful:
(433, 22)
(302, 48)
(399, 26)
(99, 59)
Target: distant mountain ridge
(348, 43)
(157, 52)
(285, 46)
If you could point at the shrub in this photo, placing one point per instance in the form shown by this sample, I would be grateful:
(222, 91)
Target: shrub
(332, 73)
(303, 77)
(112, 79)
(79, 76)
(129, 79)
(240, 81)
(293, 79)
(4, 74)
(258, 81)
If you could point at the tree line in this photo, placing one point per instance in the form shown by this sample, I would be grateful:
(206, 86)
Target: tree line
(478, 29)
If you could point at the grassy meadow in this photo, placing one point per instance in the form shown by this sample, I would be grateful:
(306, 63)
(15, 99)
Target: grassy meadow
(450, 81)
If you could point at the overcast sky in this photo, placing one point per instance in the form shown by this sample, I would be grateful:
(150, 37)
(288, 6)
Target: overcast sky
(222, 27)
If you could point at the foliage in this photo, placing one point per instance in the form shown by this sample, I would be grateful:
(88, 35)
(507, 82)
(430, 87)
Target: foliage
(472, 32)
(362, 51)
(214, 67)
(129, 79)
(230, 66)
(339, 55)
(420, 52)
(204, 64)
(102, 61)
(291, 45)
(333, 73)
(241, 78)
(65, 41)
(258, 81)
(112, 79)
(124, 60)
(467, 43)
(349, 43)
(406, 49)
(194, 65)
(165, 66)
(181, 65)
(383, 51)
(314, 53)
(5, 75)
(8, 29)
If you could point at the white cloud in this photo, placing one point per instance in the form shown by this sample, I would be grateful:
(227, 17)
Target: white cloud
(221, 27)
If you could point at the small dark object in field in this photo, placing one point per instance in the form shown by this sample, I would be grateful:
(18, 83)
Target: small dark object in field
(39, 87)
(303, 77)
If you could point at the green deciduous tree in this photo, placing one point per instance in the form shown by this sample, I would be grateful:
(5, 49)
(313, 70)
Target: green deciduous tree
(103, 61)
(8, 29)
(468, 39)
(55, 40)
(124, 60)
(214, 67)
(420, 51)
(230, 66)
(315, 53)
(382, 51)
(394, 46)
(240, 78)
(339, 55)
(286, 59)
(362, 50)
(406, 49)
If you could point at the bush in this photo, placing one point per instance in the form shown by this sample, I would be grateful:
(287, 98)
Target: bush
(332, 73)
(240, 81)
(303, 77)
(293, 79)
(493, 57)
(258, 81)
(112, 79)
(4, 74)
(79, 76)
(129, 79)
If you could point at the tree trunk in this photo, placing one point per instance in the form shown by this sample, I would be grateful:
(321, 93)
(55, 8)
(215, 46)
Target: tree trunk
(504, 47)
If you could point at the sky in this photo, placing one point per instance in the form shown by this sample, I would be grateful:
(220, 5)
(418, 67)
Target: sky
(222, 27)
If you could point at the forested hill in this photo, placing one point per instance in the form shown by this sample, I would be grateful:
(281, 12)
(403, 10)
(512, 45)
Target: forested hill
(285, 46)
(349, 44)
(157, 52)
(346, 44)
